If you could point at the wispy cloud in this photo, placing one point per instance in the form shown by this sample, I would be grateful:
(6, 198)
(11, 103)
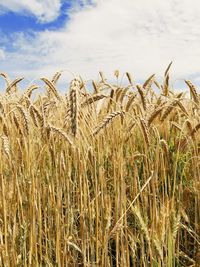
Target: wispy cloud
(138, 36)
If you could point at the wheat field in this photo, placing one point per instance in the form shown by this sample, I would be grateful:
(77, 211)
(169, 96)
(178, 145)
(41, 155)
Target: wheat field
(103, 176)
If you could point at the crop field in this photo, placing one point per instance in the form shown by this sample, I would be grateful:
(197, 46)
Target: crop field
(103, 175)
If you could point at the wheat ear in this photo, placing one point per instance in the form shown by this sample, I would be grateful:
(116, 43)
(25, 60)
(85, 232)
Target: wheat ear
(149, 81)
(6, 78)
(92, 99)
(6, 145)
(130, 102)
(61, 133)
(25, 120)
(130, 79)
(5, 141)
(36, 116)
(144, 103)
(107, 120)
(103, 79)
(143, 225)
(154, 115)
(195, 129)
(168, 67)
(145, 131)
(74, 105)
(169, 110)
(56, 77)
(30, 89)
(166, 86)
(52, 87)
(193, 91)
(13, 84)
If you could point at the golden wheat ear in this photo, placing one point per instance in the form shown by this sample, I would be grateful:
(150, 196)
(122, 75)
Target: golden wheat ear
(29, 91)
(6, 78)
(51, 87)
(130, 78)
(149, 81)
(74, 103)
(103, 79)
(143, 99)
(166, 80)
(107, 120)
(13, 85)
(193, 91)
(56, 77)
(168, 68)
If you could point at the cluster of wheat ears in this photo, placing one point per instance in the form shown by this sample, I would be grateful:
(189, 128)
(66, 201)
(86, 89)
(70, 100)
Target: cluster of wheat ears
(106, 176)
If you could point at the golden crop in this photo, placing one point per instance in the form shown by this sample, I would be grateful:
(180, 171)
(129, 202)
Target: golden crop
(109, 177)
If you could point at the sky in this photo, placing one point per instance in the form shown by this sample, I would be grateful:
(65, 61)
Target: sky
(83, 37)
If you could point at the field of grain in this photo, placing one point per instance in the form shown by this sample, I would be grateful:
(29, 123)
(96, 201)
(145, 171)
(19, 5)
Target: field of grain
(104, 176)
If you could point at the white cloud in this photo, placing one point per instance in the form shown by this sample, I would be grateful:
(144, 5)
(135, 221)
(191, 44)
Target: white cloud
(139, 36)
(45, 10)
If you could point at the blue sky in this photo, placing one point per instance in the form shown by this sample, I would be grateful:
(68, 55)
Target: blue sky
(11, 22)
(38, 38)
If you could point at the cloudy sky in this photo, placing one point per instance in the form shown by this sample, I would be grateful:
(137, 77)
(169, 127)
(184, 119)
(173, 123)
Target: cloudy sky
(38, 37)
